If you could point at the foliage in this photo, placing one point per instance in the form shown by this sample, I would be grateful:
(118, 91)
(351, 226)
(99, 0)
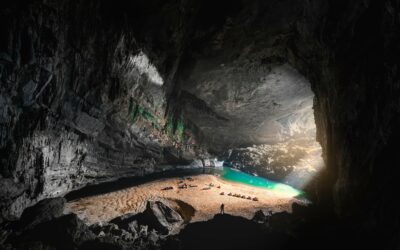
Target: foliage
(135, 111)
(174, 128)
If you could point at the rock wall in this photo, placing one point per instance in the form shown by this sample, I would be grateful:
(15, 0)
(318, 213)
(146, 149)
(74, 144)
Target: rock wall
(83, 95)
(295, 162)
(349, 51)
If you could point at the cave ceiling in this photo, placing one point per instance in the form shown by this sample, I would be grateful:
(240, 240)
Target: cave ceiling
(236, 81)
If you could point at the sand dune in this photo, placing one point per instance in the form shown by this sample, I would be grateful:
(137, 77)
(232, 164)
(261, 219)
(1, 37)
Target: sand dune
(206, 202)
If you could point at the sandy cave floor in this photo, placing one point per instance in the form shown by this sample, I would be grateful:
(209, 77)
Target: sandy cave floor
(105, 207)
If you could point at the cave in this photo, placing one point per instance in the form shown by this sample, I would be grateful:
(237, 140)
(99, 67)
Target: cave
(199, 124)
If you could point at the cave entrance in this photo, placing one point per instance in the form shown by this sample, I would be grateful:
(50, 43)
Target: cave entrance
(272, 128)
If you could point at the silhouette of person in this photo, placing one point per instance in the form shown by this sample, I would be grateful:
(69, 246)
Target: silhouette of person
(222, 208)
(268, 217)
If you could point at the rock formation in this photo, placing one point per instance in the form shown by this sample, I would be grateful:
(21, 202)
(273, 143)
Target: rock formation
(292, 161)
(43, 227)
(80, 98)
(157, 216)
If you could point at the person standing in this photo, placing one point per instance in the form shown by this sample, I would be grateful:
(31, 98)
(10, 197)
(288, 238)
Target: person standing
(222, 208)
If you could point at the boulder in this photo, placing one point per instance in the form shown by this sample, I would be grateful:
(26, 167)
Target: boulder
(156, 216)
(153, 237)
(111, 228)
(160, 217)
(43, 211)
(133, 227)
(65, 232)
(126, 221)
(96, 228)
(127, 236)
(260, 217)
(300, 209)
(143, 230)
(10, 189)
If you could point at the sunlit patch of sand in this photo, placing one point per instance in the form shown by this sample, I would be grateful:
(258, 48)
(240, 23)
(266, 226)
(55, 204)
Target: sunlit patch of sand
(206, 203)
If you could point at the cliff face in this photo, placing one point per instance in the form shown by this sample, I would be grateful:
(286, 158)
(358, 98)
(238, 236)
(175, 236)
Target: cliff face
(349, 52)
(80, 102)
(83, 95)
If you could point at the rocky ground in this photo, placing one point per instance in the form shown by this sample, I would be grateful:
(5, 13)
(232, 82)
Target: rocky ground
(44, 226)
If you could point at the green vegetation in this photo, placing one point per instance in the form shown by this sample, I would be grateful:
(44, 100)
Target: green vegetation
(135, 111)
(180, 128)
(174, 128)
(169, 125)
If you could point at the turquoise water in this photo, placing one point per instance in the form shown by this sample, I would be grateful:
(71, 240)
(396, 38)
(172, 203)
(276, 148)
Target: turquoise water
(238, 176)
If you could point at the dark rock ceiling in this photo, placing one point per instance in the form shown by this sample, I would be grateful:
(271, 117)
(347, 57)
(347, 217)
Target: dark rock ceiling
(238, 69)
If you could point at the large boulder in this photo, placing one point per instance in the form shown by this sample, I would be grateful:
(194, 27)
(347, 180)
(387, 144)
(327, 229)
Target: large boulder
(43, 211)
(10, 188)
(11, 194)
(65, 232)
(161, 217)
(157, 215)
(260, 217)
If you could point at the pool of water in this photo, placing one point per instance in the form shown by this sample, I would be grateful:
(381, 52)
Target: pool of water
(234, 175)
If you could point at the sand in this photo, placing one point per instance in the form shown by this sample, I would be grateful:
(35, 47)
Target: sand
(206, 202)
